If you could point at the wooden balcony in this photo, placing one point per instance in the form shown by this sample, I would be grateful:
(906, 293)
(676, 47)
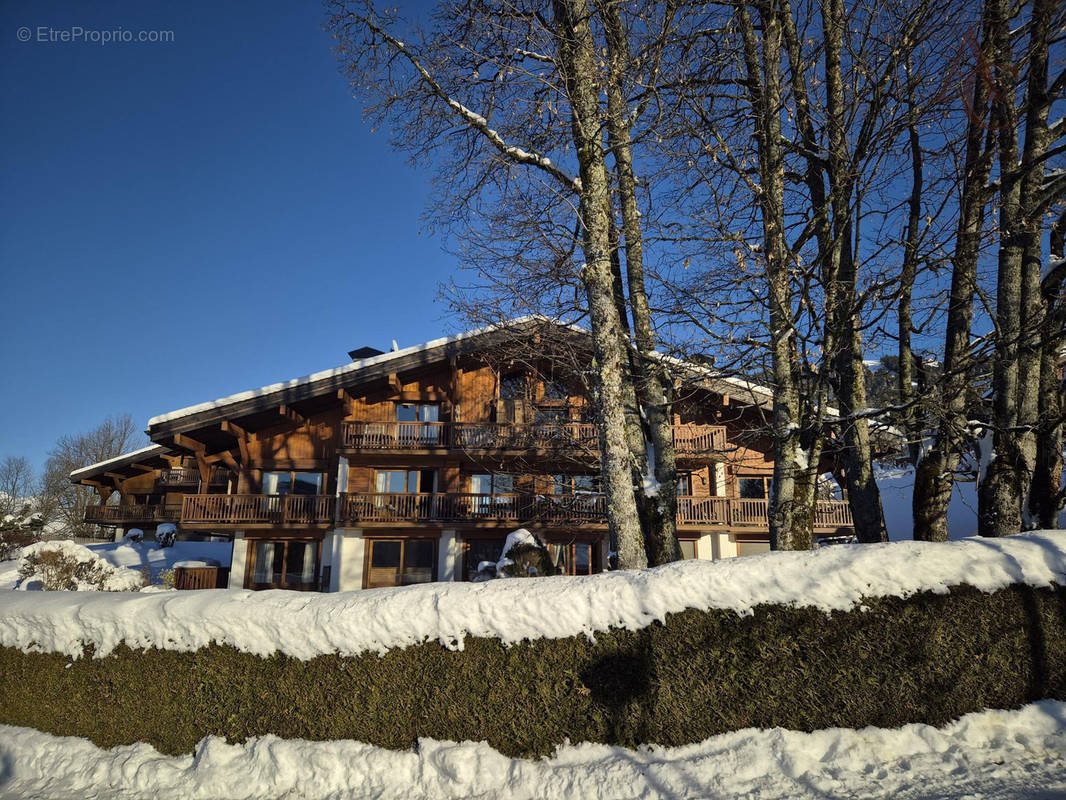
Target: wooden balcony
(127, 514)
(467, 436)
(575, 509)
(190, 476)
(739, 512)
(257, 509)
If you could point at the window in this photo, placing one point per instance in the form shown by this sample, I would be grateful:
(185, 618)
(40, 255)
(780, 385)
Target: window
(575, 484)
(513, 386)
(555, 390)
(406, 481)
(400, 562)
(417, 412)
(290, 482)
(688, 548)
(480, 549)
(283, 564)
(753, 488)
(684, 484)
(493, 494)
(574, 558)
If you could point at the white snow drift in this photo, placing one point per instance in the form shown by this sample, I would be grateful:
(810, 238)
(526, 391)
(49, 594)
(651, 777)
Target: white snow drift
(307, 625)
(992, 754)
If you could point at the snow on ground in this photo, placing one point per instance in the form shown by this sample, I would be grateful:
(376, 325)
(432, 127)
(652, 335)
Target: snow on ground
(135, 555)
(991, 754)
(305, 625)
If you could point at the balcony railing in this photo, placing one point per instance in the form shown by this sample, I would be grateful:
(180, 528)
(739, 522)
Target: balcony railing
(257, 509)
(750, 512)
(588, 509)
(576, 509)
(118, 514)
(190, 476)
(566, 436)
(699, 439)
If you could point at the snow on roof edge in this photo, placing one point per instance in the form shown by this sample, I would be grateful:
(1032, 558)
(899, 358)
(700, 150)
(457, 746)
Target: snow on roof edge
(345, 369)
(93, 467)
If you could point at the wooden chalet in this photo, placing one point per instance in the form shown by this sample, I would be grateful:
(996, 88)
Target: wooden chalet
(412, 466)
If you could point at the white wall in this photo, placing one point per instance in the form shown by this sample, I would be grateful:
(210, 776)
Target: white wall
(238, 558)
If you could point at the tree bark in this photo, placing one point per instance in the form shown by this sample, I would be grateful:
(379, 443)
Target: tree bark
(577, 60)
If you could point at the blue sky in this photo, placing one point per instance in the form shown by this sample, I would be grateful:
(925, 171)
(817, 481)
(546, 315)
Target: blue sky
(185, 220)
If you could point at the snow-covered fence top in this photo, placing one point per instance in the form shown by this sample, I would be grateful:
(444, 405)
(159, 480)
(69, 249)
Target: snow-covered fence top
(307, 625)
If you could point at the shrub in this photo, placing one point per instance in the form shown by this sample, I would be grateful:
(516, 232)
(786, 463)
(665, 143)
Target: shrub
(19, 530)
(927, 658)
(527, 561)
(166, 578)
(134, 535)
(165, 534)
(66, 566)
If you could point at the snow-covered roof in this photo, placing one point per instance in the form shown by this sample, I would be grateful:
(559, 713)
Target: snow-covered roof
(150, 451)
(354, 368)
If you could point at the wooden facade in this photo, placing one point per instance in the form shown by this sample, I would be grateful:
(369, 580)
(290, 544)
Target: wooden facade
(350, 474)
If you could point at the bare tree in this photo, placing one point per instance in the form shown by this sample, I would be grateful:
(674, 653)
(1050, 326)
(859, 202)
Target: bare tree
(112, 437)
(17, 484)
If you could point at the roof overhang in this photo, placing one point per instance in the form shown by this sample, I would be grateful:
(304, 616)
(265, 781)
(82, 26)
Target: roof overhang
(124, 465)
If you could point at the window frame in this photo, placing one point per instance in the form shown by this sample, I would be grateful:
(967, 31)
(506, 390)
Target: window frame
(251, 555)
(402, 539)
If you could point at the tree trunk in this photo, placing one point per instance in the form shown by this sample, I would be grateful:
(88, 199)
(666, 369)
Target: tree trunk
(577, 60)
(935, 474)
(660, 508)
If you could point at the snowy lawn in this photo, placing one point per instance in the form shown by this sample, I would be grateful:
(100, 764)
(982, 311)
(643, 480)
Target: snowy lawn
(305, 625)
(135, 555)
(992, 754)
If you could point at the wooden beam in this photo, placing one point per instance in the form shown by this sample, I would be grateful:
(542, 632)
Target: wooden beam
(394, 383)
(184, 440)
(291, 414)
(226, 456)
(235, 430)
(143, 467)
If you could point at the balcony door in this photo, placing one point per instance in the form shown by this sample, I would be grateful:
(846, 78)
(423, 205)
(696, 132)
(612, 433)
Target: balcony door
(400, 561)
(283, 564)
(405, 493)
(410, 433)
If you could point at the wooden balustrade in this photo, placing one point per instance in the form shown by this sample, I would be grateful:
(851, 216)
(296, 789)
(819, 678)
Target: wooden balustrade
(688, 439)
(110, 515)
(740, 512)
(453, 507)
(190, 476)
(257, 509)
(699, 439)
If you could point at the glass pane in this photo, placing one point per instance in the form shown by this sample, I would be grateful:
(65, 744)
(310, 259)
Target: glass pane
(561, 484)
(391, 480)
(502, 484)
(430, 412)
(307, 483)
(684, 484)
(512, 386)
(481, 484)
(582, 559)
(418, 558)
(586, 483)
(385, 554)
(550, 415)
(427, 480)
(406, 412)
(264, 562)
(478, 550)
(277, 482)
(554, 390)
(688, 548)
(299, 563)
(752, 488)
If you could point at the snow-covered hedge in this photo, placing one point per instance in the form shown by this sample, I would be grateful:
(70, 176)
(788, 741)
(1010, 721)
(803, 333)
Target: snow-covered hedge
(670, 656)
(64, 565)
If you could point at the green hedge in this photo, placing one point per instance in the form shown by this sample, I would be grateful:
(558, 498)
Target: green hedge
(929, 658)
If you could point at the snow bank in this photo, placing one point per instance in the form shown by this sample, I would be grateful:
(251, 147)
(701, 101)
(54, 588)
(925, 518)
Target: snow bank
(992, 754)
(306, 625)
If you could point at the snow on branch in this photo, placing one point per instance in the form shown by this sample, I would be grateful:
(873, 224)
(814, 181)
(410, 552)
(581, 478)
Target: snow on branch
(474, 120)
